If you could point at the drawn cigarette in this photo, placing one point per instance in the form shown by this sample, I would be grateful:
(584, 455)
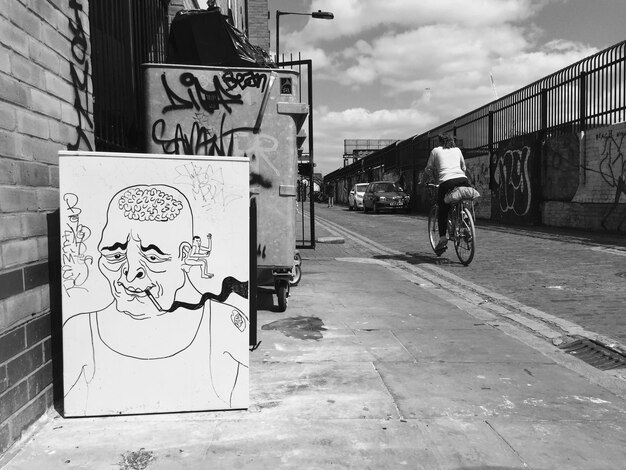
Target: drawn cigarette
(153, 300)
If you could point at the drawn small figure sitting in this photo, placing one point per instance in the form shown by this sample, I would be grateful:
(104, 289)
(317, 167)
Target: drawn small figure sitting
(198, 256)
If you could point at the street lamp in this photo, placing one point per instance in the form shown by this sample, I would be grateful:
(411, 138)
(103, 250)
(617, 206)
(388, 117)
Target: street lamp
(324, 15)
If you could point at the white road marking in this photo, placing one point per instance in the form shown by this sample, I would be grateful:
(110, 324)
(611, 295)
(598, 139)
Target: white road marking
(611, 251)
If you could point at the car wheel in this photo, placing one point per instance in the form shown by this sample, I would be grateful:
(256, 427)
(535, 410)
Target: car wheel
(350, 207)
(365, 210)
(376, 208)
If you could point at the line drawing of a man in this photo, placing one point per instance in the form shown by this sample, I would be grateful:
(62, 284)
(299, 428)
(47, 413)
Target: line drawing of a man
(198, 255)
(138, 355)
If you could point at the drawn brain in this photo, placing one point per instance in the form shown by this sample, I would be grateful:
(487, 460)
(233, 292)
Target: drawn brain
(149, 204)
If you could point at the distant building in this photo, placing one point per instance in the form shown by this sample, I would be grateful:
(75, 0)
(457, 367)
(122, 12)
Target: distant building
(355, 149)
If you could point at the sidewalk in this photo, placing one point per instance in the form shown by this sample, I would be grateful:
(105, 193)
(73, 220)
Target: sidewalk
(368, 368)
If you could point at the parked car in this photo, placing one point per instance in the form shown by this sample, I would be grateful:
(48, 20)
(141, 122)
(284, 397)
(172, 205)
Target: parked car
(355, 198)
(385, 195)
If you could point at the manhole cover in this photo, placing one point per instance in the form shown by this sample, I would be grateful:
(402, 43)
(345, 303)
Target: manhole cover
(595, 354)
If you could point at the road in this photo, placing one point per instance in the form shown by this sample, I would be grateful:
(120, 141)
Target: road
(561, 282)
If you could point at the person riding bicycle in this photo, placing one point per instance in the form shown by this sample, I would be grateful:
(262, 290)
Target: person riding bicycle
(446, 166)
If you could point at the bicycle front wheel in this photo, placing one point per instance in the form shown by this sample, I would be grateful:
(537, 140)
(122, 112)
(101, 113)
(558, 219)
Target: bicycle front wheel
(465, 241)
(433, 227)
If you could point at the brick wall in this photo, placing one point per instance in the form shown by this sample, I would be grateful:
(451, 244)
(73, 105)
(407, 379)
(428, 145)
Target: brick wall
(258, 23)
(43, 109)
(45, 106)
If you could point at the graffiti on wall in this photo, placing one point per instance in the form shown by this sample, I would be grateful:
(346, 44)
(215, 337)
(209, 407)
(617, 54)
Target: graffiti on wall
(561, 167)
(511, 175)
(79, 71)
(478, 175)
(612, 169)
(478, 172)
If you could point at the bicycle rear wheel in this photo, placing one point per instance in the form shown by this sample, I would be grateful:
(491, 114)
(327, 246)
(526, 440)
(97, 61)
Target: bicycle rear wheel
(465, 240)
(433, 227)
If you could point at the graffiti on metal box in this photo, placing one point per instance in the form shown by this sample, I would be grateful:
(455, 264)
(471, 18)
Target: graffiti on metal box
(206, 97)
(75, 262)
(155, 305)
(207, 185)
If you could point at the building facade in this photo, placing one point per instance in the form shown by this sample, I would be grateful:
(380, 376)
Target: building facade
(68, 80)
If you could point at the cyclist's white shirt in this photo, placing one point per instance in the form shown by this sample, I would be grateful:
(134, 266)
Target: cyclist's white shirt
(446, 164)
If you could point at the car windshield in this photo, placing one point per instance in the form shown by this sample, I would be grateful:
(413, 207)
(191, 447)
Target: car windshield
(386, 187)
(361, 187)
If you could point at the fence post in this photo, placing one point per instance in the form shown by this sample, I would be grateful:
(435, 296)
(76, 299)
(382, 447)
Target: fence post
(544, 112)
(252, 278)
(582, 120)
(582, 100)
(490, 147)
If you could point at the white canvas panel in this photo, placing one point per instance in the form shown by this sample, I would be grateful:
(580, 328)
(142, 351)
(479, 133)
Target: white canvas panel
(155, 270)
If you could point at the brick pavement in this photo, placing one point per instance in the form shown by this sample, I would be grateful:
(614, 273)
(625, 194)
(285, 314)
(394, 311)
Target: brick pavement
(575, 275)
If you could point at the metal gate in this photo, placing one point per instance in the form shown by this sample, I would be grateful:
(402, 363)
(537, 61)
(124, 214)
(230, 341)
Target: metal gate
(305, 219)
(124, 34)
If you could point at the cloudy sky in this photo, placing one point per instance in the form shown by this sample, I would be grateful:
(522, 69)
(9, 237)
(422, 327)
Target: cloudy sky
(395, 68)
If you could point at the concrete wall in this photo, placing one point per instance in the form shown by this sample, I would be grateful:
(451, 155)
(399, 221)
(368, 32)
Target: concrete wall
(45, 106)
(478, 174)
(588, 174)
(515, 181)
(572, 180)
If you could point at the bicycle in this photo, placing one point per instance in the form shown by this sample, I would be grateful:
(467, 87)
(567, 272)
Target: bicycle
(461, 228)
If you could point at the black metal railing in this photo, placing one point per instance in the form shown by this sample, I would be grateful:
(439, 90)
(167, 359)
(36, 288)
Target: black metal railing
(124, 34)
(587, 94)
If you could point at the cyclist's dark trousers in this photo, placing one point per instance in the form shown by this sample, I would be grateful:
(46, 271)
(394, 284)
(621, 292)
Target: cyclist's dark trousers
(443, 207)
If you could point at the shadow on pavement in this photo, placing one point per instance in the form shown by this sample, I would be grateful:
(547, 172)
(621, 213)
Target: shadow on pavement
(419, 258)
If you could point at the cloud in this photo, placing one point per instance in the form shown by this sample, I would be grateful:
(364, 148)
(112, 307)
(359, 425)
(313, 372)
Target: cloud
(354, 17)
(333, 127)
(511, 73)
(453, 63)
(412, 65)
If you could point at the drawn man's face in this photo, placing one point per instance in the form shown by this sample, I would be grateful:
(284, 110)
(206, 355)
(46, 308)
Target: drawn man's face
(139, 254)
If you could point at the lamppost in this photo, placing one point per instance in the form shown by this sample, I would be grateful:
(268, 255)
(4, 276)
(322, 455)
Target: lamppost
(324, 15)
